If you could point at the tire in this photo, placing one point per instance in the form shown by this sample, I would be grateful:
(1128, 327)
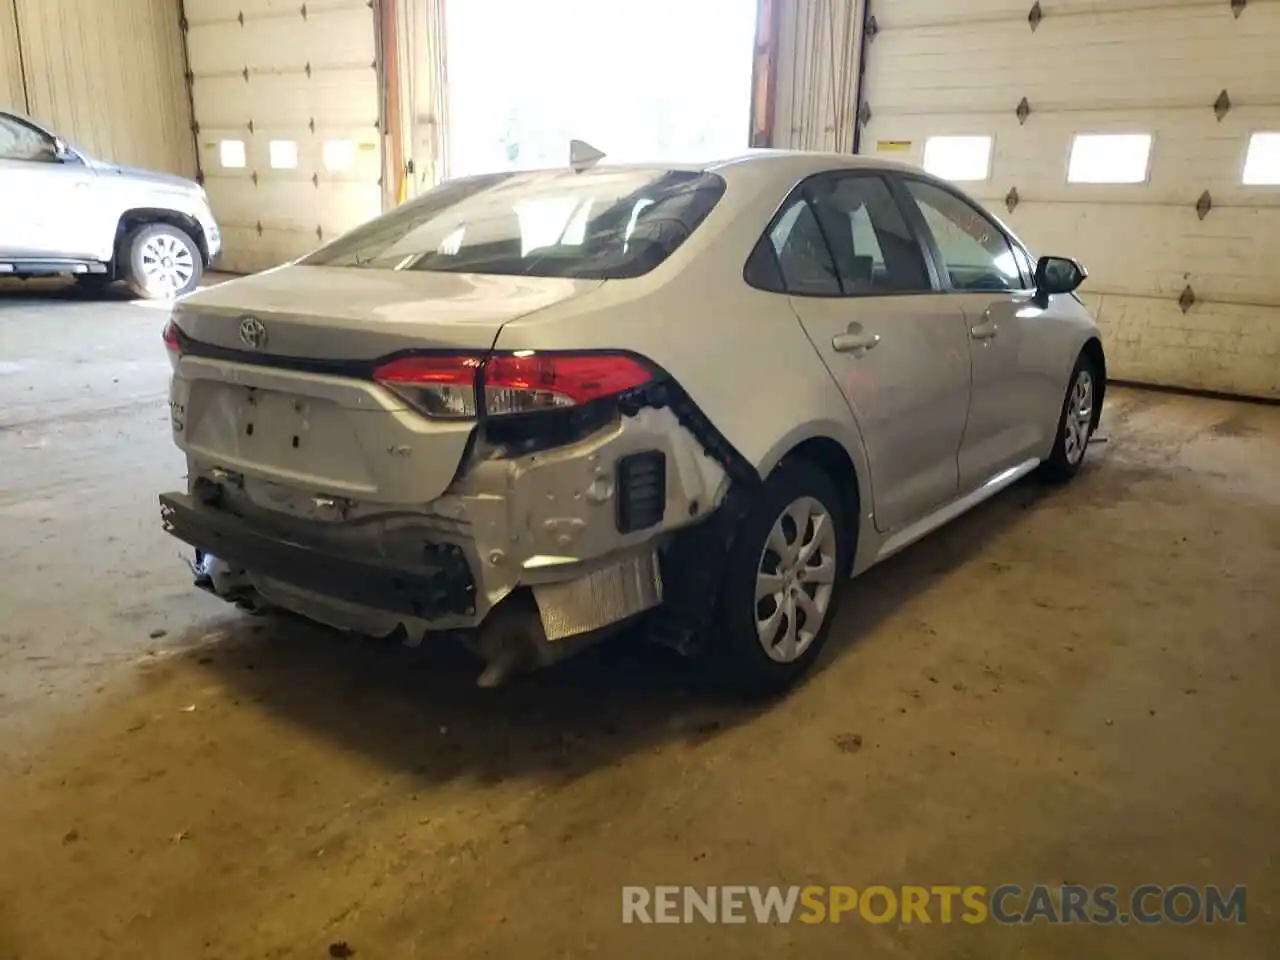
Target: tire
(1075, 422)
(161, 262)
(749, 657)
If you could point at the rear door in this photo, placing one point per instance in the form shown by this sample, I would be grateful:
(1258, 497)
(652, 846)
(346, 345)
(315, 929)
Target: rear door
(865, 294)
(1017, 384)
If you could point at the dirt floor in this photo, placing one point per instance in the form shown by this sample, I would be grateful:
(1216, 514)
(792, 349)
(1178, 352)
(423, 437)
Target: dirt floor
(1074, 685)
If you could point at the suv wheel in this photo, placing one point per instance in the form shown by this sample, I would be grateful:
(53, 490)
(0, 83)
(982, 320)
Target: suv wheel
(782, 580)
(162, 262)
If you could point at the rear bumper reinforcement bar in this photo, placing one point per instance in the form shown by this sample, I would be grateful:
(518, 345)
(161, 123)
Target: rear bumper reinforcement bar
(441, 585)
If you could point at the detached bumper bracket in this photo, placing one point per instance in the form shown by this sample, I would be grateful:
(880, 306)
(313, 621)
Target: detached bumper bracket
(443, 585)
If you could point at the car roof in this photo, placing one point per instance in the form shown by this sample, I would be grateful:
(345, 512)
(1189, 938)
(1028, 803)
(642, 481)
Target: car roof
(805, 161)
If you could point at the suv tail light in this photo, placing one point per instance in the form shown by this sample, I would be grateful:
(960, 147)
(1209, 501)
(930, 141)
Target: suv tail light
(443, 385)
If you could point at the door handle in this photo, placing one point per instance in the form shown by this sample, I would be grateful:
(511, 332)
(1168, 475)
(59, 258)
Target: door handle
(855, 340)
(984, 330)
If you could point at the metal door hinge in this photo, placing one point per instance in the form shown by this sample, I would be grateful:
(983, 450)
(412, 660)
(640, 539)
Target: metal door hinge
(1222, 106)
(1188, 299)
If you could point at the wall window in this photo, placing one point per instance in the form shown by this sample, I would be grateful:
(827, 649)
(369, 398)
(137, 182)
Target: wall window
(339, 154)
(1262, 165)
(284, 154)
(231, 154)
(976, 253)
(960, 159)
(1110, 158)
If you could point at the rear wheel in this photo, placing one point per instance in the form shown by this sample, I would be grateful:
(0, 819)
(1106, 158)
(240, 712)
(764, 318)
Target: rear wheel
(781, 581)
(162, 262)
(1075, 425)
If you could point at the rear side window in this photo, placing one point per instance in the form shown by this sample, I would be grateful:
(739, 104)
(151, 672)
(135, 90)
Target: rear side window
(841, 235)
(803, 256)
(873, 248)
(605, 223)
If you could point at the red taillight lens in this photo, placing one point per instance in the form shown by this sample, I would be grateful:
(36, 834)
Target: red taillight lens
(442, 385)
(445, 385)
(525, 382)
(170, 337)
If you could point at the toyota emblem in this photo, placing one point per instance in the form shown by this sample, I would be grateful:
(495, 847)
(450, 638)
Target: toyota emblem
(253, 333)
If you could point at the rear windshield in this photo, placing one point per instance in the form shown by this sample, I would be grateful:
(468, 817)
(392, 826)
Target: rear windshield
(600, 224)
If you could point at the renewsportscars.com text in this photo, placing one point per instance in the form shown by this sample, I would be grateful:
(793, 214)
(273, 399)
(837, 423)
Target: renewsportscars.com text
(1004, 904)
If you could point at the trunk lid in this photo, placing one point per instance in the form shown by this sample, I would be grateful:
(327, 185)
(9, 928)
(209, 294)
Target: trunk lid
(350, 313)
(312, 428)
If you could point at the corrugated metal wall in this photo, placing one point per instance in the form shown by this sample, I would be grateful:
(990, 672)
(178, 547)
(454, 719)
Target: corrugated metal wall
(817, 73)
(11, 95)
(107, 75)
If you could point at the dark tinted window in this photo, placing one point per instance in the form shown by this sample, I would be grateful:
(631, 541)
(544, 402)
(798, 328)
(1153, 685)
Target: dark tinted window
(873, 249)
(975, 252)
(762, 270)
(803, 257)
(604, 223)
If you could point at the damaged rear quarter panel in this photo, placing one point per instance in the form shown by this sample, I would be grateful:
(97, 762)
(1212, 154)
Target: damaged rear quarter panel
(551, 516)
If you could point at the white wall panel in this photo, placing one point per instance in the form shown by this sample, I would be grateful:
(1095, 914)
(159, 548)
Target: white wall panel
(1120, 66)
(263, 71)
(815, 100)
(108, 76)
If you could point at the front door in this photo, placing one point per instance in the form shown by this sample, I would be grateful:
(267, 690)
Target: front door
(860, 285)
(1012, 373)
(42, 197)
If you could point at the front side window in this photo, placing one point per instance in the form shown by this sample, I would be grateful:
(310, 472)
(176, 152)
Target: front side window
(599, 224)
(975, 252)
(20, 141)
(870, 242)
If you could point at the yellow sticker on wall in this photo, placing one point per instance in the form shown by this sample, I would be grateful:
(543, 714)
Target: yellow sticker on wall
(893, 146)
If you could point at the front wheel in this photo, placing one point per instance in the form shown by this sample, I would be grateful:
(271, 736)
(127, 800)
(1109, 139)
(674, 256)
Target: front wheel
(162, 262)
(781, 582)
(1075, 425)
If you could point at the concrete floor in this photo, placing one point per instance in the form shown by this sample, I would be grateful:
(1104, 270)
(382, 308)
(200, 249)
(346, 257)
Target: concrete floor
(1073, 685)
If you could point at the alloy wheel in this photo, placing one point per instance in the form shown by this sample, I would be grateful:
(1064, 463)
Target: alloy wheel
(795, 579)
(167, 264)
(1078, 423)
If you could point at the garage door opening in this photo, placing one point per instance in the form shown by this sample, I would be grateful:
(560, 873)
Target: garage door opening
(662, 80)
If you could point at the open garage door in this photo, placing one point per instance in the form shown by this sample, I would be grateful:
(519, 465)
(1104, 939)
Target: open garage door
(285, 97)
(1142, 138)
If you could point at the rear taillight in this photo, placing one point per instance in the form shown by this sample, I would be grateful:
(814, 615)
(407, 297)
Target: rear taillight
(440, 385)
(444, 385)
(526, 382)
(170, 337)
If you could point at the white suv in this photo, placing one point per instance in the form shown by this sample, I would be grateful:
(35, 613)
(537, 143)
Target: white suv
(528, 407)
(68, 213)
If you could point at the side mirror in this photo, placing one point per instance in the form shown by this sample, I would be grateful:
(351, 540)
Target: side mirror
(62, 153)
(1058, 275)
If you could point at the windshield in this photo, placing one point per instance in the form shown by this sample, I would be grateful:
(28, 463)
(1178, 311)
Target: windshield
(601, 224)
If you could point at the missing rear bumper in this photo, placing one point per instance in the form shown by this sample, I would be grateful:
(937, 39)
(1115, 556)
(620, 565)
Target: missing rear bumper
(440, 585)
